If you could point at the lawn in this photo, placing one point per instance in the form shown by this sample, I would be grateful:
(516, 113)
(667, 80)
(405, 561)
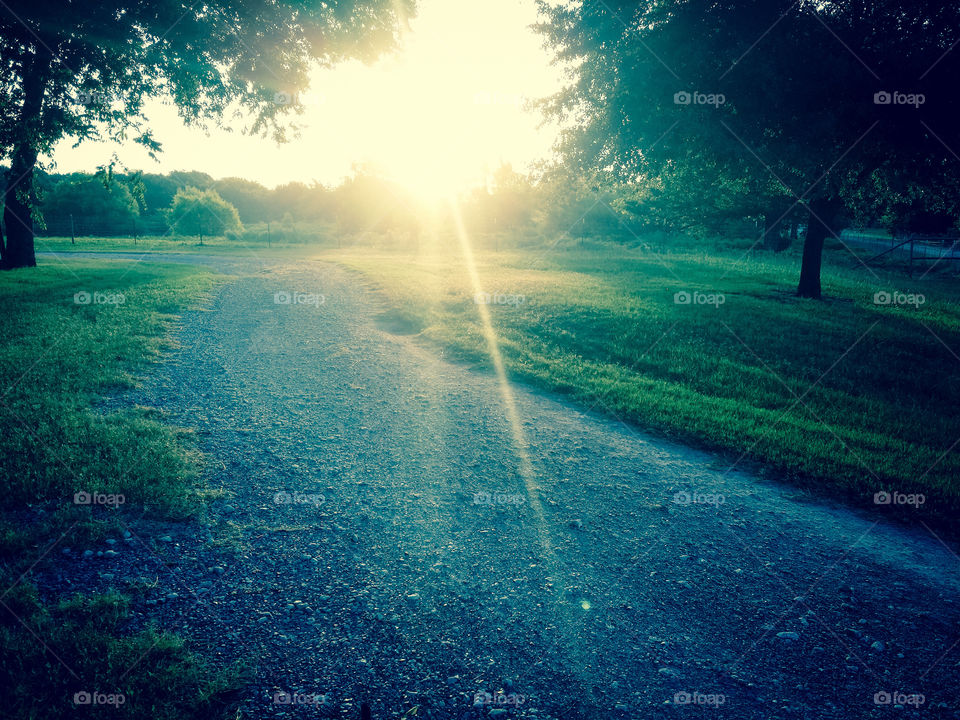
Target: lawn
(74, 333)
(847, 394)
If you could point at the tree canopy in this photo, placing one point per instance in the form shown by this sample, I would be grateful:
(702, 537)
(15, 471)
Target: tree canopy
(83, 70)
(829, 106)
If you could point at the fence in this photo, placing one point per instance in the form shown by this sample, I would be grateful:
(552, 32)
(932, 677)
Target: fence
(910, 247)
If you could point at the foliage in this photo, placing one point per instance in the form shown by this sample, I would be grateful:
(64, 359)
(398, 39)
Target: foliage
(201, 212)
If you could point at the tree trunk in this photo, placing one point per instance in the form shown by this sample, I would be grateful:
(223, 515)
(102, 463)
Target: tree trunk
(821, 211)
(19, 198)
(18, 214)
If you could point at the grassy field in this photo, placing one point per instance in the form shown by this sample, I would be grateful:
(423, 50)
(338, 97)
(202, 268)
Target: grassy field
(75, 332)
(851, 393)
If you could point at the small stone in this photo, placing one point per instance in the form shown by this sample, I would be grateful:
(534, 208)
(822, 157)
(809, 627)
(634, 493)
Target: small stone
(111, 541)
(88, 553)
(878, 646)
(165, 538)
(788, 636)
(111, 554)
(576, 524)
(217, 570)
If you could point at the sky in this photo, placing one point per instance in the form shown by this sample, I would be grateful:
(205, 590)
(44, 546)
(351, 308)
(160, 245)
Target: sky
(440, 114)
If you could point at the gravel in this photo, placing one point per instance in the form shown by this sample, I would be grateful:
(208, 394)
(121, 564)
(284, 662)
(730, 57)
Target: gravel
(349, 559)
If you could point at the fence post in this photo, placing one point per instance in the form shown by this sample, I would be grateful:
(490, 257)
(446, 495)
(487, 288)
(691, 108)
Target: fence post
(911, 255)
(73, 236)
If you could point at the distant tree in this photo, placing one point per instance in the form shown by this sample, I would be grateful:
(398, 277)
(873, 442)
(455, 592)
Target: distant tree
(251, 199)
(201, 212)
(90, 206)
(83, 69)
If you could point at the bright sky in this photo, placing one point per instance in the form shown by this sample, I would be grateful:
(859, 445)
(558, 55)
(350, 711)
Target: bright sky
(437, 115)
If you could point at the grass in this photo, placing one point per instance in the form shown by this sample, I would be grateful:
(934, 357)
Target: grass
(842, 394)
(59, 356)
(74, 333)
(172, 244)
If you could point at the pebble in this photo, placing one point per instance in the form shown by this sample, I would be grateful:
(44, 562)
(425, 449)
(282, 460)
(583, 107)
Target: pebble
(878, 646)
(788, 636)
(165, 538)
(576, 524)
(88, 553)
(111, 554)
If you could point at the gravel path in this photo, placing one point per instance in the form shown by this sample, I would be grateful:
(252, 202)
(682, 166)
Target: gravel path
(388, 536)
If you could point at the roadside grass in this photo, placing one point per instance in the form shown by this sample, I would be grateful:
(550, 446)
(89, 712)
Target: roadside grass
(844, 394)
(175, 244)
(74, 333)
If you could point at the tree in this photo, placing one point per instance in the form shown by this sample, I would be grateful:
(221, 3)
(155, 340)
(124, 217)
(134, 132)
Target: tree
(201, 212)
(83, 69)
(90, 206)
(804, 101)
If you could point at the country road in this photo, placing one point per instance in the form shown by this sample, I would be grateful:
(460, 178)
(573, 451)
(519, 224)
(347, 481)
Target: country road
(398, 530)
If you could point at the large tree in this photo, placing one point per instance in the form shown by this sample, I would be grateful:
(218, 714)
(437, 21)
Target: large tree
(84, 69)
(803, 101)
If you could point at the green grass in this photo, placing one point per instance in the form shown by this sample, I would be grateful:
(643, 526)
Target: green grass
(841, 394)
(172, 244)
(155, 674)
(58, 359)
